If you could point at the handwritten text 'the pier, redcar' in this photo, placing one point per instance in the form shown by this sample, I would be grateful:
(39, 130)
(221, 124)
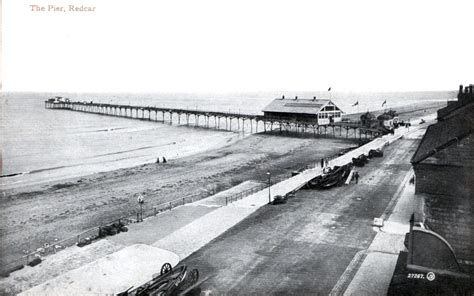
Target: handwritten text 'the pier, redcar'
(57, 8)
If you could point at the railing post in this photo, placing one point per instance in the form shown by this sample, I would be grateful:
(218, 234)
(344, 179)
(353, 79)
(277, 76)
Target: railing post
(170, 206)
(183, 201)
(154, 211)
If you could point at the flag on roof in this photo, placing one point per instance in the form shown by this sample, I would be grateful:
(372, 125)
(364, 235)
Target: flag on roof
(329, 89)
(384, 102)
(355, 104)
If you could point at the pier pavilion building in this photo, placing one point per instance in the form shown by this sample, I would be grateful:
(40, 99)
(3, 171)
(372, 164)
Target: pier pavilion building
(320, 111)
(316, 116)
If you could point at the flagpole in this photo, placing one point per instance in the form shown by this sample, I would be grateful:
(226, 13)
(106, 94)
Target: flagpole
(356, 104)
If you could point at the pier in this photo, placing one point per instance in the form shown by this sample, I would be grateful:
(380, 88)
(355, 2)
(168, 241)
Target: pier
(228, 121)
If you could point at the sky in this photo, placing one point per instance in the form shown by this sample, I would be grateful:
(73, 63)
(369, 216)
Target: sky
(244, 45)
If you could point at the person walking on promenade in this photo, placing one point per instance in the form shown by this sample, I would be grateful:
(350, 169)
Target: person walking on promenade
(356, 175)
(322, 162)
(327, 162)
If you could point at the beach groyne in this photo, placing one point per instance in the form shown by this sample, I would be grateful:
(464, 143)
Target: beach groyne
(229, 121)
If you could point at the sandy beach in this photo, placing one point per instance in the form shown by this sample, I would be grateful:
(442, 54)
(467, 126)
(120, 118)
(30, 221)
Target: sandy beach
(35, 215)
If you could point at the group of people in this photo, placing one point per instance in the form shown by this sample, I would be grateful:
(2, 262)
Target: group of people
(158, 160)
(324, 162)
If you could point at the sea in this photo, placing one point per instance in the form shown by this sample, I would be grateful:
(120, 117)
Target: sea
(40, 145)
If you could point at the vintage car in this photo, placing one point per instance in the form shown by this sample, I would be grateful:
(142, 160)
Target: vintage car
(169, 282)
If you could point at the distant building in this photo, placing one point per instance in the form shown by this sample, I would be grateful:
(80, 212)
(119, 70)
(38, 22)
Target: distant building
(367, 119)
(315, 110)
(465, 97)
(386, 121)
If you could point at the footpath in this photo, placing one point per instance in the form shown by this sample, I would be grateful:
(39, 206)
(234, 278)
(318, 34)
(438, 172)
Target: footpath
(183, 231)
(379, 260)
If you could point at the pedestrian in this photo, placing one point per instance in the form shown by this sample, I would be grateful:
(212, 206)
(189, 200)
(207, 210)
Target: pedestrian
(322, 162)
(356, 175)
(164, 159)
(327, 162)
(158, 160)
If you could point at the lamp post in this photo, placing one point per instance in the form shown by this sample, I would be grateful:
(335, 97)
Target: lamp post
(269, 185)
(140, 201)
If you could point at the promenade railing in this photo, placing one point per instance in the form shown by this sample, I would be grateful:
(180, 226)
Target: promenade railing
(92, 234)
(240, 195)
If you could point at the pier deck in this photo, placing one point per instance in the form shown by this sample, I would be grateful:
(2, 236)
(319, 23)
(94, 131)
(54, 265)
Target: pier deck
(229, 121)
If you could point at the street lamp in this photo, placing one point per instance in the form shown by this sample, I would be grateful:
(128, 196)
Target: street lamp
(140, 201)
(269, 184)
